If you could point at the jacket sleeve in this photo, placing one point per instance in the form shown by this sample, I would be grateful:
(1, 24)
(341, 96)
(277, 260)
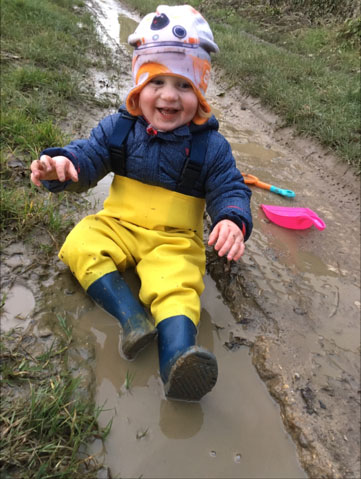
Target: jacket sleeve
(227, 196)
(90, 158)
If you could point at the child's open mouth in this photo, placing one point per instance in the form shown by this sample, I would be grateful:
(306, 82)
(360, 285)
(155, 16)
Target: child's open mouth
(167, 111)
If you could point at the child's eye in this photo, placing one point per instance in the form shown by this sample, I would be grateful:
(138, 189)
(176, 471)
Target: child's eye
(156, 81)
(185, 85)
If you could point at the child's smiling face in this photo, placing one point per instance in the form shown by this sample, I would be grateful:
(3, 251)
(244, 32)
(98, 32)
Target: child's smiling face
(168, 102)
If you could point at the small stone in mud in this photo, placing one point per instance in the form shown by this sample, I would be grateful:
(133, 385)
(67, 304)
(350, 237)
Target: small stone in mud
(16, 163)
(235, 342)
(212, 453)
(237, 458)
(329, 390)
(299, 311)
(217, 327)
(68, 292)
(322, 404)
(141, 434)
(244, 320)
(44, 333)
(309, 397)
(104, 473)
(302, 439)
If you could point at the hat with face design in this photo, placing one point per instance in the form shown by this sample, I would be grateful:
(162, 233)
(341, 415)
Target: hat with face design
(174, 41)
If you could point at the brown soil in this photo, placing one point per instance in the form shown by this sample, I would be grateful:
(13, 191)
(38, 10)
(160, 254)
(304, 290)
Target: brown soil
(297, 292)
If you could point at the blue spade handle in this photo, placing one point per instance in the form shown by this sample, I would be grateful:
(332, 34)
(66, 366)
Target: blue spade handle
(280, 191)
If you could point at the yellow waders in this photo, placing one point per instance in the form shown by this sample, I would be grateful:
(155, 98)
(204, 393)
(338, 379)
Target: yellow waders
(157, 231)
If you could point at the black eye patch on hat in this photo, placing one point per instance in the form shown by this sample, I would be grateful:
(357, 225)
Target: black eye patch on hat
(159, 22)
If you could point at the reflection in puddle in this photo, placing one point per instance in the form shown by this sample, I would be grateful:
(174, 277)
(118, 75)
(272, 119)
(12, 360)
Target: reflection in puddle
(180, 420)
(19, 303)
(254, 150)
(98, 194)
(114, 18)
(126, 27)
(224, 435)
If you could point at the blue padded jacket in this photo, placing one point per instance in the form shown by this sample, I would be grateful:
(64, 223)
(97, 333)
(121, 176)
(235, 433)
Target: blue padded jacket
(158, 159)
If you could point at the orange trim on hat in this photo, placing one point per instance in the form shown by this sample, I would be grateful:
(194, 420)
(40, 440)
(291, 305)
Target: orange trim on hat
(151, 70)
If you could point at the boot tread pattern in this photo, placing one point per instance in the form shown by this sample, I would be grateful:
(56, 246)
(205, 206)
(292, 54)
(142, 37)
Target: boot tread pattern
(192, 376)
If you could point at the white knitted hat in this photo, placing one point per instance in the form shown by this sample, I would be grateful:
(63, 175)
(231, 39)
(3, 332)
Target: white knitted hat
(173, 41)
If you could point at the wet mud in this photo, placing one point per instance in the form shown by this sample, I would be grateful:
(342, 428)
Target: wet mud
(283, 322)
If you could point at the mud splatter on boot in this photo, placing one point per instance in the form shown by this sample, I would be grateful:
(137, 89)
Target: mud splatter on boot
(113, 295)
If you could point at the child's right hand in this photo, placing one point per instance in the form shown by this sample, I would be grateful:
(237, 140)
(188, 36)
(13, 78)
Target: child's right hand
(48, 168)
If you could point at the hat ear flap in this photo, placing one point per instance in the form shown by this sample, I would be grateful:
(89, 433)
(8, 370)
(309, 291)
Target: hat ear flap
(133, 39)
(208, 45)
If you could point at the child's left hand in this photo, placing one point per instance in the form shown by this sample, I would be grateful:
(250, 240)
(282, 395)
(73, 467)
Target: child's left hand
(227, 238)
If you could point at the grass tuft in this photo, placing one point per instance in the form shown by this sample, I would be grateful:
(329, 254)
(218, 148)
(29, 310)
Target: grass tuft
(42, 60)
(45, 423)
(129, 378)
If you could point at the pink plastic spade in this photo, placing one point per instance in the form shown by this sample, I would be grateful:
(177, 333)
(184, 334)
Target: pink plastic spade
(293, 218)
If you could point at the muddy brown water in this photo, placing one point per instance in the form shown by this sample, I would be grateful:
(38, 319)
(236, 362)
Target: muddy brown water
(294, 299)
(233, 432)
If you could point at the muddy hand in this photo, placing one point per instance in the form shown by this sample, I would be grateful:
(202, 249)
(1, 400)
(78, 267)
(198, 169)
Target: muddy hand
(227, 238)
(48, 168)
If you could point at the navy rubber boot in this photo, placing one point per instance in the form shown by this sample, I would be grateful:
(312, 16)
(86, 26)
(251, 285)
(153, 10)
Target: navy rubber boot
(112, 293)
(187, 371)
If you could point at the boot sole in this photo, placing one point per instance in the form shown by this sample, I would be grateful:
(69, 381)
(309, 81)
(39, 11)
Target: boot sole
(192, 376)
(135, 343)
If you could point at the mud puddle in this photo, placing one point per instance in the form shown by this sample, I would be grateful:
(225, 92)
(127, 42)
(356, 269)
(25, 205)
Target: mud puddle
(300, 290)
(294, 299)
(235, 431)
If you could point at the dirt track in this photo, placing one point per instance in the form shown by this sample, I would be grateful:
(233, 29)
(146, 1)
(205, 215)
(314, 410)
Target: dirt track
(294, 296)
(297, 292)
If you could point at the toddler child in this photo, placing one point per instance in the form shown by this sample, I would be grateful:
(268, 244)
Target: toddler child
(169, 162)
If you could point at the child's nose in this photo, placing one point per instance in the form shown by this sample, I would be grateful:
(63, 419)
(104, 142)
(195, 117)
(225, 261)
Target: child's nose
(169, 93)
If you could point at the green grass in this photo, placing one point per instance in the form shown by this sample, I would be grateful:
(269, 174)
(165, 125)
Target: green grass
(47, 45)
(317, 101)
(129, 378)
(45, 423)
(39, 60)
(308, 73)
(25, 210)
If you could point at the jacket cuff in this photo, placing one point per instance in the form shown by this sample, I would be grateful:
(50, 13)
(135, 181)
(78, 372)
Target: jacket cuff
(59, 152)
(240, 222)
(56, 186)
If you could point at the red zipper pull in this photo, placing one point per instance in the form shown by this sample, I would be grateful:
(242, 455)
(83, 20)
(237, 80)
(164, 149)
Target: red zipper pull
(151, 131)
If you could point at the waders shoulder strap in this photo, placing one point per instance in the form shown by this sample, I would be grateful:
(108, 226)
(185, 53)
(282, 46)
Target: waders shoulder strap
(193, 164)
(116, 143)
